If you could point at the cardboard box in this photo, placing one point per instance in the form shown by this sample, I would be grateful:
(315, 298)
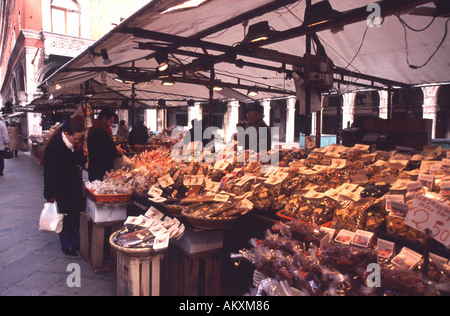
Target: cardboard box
(100, 213)
(195, 241)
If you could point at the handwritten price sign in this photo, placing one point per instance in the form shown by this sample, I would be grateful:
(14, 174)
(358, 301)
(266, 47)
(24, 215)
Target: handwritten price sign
(426, 213)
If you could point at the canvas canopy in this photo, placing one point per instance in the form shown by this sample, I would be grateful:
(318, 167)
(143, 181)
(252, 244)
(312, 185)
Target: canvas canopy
(379, 56)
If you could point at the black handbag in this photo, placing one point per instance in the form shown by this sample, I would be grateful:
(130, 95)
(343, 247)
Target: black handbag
(8, 154)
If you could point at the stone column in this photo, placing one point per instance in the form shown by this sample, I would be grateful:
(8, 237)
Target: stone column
(266, 105)
(384, 96)
(348, 109)
(231, 120)
(194, 112)
(151, 119)
(290, 126)
(430, 106)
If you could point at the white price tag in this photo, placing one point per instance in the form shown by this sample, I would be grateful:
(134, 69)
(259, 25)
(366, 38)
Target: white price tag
(427, 214)
(154, 214)
(161, 242)
(221, 165)
(158, 230)
(277, 178)
(221, 198)
(190, 180)
(212, 186)
(165, 181)
(393, 198)
(155, 192)
(338, 163)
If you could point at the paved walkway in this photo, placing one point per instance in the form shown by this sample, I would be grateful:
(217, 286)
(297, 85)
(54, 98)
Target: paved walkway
(31, 262)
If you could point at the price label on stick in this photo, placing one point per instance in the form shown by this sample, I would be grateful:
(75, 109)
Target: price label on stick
(427, 214)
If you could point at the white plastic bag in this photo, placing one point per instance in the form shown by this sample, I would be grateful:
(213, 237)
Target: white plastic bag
(51, 221)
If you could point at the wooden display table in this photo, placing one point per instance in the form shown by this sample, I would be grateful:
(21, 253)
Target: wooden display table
(138, 270)
(94, 244)
(193, 264)
(138, 276)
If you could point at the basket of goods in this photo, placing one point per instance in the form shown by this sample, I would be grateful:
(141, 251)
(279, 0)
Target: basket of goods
(144, 236)
(212, 216)
(109, 191)
(173, 210)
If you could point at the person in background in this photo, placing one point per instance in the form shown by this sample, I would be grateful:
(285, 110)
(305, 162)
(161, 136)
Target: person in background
(139, 134)
(255, 119)
(14, 137)
(63, 158)
(101, 147)
(123, 132)
(4, 143)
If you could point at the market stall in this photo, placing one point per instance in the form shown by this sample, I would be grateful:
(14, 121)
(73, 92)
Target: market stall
(351, 203)
(379, 203)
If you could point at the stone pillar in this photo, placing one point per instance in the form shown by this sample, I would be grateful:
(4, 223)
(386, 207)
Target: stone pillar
(348, 109)
(290, 121)
(151, 119)
(266, 105)
(231, 120)
(430, 106)
(194, 112)
(384, 96)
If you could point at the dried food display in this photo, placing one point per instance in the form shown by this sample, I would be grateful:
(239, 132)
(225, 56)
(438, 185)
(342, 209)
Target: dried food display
(297, 259)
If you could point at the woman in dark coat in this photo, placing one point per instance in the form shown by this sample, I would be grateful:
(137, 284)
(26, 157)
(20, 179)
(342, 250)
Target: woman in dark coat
(101, 147)
(62, 181)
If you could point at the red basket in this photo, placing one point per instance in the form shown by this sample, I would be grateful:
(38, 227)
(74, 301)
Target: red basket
(108, 198)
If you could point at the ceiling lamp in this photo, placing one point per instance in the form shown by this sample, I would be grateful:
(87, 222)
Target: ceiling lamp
(132, 77)
(168, 82)
(217, 87)
(252, 93)
(58, 86)
(319, 13)
(259, 32)
(90, 93)
(106, 60)
(162, 58)
(201, 65)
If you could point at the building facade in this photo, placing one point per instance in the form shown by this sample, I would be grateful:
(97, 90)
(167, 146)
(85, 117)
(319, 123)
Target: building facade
(39, 36)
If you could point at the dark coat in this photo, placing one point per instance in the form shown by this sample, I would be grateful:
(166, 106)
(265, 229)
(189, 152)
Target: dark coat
(138, 135)
(102, 152)
(62, 179)
(264, 142)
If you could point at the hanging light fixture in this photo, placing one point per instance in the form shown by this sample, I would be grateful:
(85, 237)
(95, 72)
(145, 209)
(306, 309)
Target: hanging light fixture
(168, 82)
(259, 32)
(319, 13)
(106, 60)
(217, 87)
(252, 92)
(162, 58)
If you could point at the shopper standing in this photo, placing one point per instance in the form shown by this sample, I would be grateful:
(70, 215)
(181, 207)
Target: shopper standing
(4, 143)
(123, 132)
(63, 158)
(255, 120)
(14, 138)
(139, 134)
(101, 147)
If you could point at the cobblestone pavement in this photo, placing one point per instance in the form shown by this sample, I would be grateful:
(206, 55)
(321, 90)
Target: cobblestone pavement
(31, 262)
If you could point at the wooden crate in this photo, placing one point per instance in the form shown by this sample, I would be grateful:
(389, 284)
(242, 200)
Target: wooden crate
(197, 274)
(94, 243)
(138, 276)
